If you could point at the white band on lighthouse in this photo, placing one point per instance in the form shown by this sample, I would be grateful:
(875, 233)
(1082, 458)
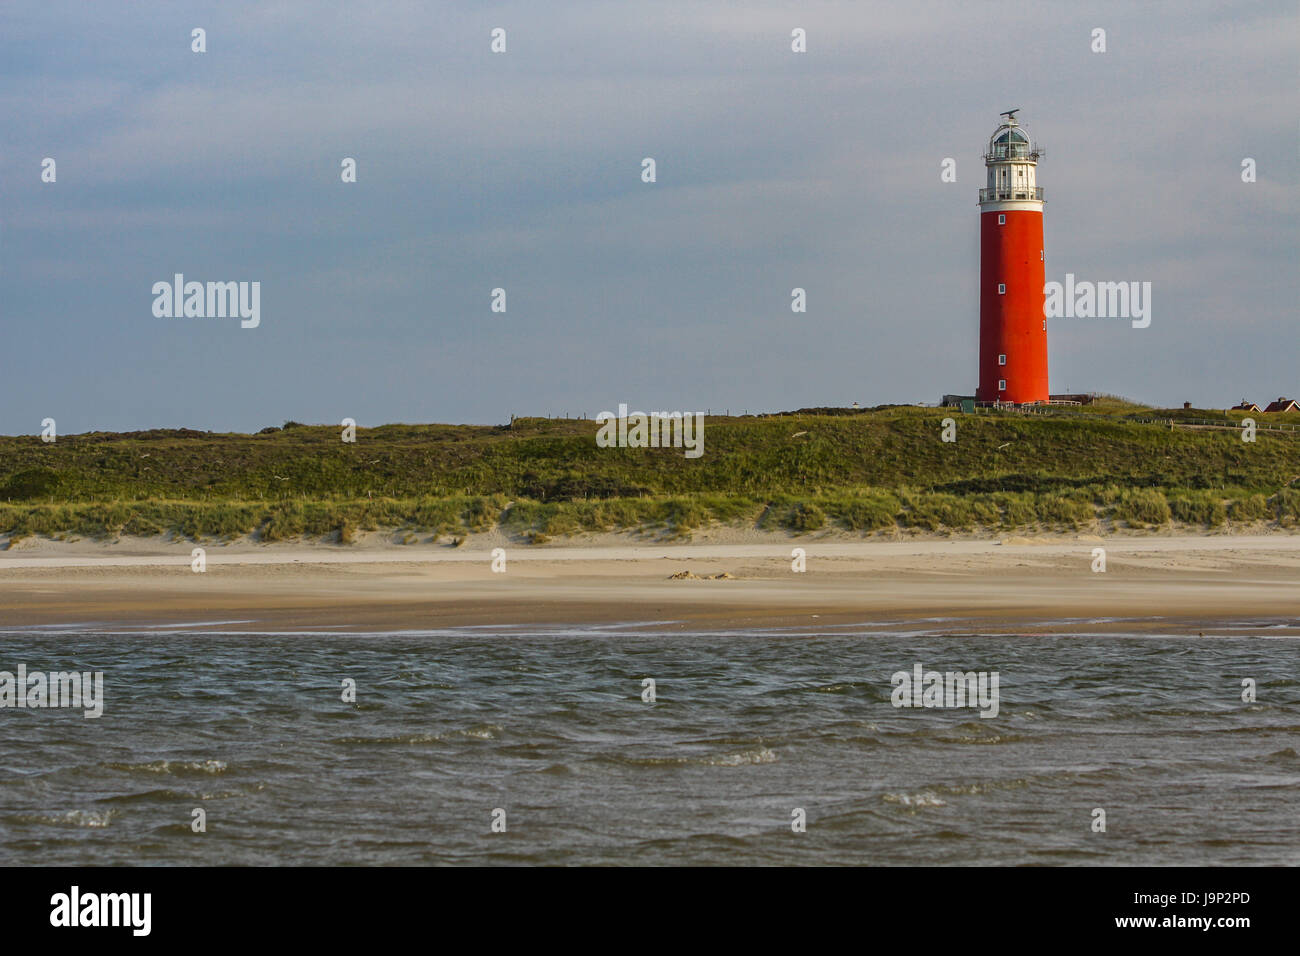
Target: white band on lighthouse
(1013, 205)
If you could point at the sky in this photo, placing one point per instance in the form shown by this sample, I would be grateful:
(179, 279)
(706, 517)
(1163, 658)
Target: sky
(522, 170)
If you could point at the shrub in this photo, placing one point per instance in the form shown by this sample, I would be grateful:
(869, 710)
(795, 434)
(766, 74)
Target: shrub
(562, 522)
(865, 514)
(682, 515)
(1286, 504)
(985, 511)
(1105, 494)
(1254, 508)
(1198, 507)
(30, 483)
(284, 522)
(1143, 507)
(1018, 510)
(141, 526)
(481, 513)
(1060, 510)
(804, 516)
(932, 511)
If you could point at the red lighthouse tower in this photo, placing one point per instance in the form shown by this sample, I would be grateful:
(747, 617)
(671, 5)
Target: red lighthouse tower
(1013, 327)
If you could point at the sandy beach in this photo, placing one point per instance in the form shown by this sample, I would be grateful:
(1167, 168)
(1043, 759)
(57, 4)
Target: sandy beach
(1179, 584)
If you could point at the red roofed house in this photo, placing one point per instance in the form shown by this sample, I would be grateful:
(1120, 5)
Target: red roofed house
(1282, 405)
(1245, 406)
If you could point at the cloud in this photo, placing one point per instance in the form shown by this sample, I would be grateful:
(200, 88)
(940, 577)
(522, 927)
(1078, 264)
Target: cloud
(476, 170)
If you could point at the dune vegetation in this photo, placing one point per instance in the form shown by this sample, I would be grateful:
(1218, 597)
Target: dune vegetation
(1110, 465)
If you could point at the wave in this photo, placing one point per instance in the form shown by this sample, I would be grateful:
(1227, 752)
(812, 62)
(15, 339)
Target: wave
(1286, 755)
(926, 798)
(145, 796)
(758, 755)
(86, 819)
(172, 768)
(476, 732)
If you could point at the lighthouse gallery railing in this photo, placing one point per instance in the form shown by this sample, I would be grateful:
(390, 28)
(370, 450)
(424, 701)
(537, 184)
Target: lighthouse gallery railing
(993, 194)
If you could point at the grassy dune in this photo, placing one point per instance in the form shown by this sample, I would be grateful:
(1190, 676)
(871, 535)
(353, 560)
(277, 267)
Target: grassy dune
(867, 470)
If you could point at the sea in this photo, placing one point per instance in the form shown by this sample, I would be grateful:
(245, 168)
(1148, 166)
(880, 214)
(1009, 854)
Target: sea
(647, 744)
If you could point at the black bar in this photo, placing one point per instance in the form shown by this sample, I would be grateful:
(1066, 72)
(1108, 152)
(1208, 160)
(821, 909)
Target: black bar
(949, 906)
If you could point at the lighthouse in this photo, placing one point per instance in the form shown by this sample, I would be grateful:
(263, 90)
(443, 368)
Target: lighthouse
(1013, 326)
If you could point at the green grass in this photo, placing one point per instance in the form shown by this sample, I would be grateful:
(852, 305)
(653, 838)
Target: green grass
(855, 470)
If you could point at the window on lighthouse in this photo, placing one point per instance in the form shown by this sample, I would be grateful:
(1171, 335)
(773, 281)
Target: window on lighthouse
(1002, 360)
(1002, 385)
(1002, 288)
(1002, 219)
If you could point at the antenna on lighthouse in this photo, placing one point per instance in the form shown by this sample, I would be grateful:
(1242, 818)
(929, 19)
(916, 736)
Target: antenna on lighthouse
(1011, 114)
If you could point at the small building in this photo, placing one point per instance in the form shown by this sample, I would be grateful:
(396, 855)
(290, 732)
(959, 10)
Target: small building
(1282, 405)
(1245, 406)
